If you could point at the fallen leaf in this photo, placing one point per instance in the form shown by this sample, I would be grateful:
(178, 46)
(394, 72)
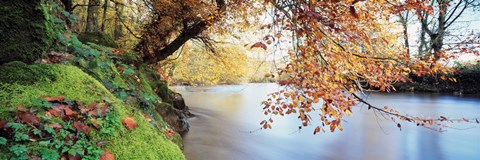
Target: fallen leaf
(107, 156)
(28, 118)
(55, 112)
(76, 157)
(55, 126)
(129, 123)
(3, 124)
(53, 99)
(68, 112)
(22, 108)
(94, 122)
(79, 126)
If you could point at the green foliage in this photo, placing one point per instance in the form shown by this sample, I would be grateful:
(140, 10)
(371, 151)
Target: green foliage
(20, 151)
(3, 141)
(98, 38)
(26, 30)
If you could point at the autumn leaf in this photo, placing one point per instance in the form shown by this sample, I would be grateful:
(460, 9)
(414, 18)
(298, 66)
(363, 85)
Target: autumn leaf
(79, 126)
(316, 130)
(259, 45)
(129, 123)
(107, 156)
(3, 124)
(22, 108)
(94, 122)
(28, 118)
(55, 111)
(72, 157)
(53, 99)
(353, 12)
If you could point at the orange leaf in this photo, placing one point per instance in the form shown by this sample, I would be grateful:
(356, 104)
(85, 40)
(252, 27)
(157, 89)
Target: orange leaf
(55, 111)
(129, 123)
(316, 130)
(52, 99)
(332, 128)
(107, 156)
(22, 108)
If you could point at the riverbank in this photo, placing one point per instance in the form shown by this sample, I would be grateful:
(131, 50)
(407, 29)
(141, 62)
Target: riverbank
(466, 81)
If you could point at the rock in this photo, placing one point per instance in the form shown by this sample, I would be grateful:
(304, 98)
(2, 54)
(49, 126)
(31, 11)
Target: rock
(26, 30)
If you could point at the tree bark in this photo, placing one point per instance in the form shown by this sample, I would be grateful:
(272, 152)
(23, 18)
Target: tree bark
(92, 16)
(404, 21)
(104, 18)
(117, 33)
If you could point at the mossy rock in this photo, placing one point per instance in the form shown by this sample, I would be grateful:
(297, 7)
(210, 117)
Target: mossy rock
(97, 38)
(144, 142)
(26, 30)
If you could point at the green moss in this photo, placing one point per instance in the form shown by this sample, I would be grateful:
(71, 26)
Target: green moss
(177, 139)
(21, 73)
(26, 31)
(144, 142)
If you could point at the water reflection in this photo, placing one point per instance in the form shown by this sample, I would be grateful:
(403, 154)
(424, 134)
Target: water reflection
(226, 114)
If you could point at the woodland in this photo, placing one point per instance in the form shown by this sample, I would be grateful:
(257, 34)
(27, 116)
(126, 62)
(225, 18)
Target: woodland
(89, 79)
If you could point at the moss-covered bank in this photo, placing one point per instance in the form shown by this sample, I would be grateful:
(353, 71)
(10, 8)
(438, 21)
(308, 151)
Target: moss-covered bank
(144, 142)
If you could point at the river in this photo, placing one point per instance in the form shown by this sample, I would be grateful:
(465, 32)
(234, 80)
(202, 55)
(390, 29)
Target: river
(225, 115)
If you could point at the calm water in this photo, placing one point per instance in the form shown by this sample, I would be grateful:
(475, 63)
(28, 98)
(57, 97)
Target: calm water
(226, 114)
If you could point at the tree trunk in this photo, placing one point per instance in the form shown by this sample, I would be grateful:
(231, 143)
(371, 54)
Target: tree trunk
(92, 16)
(404, 21)
(153, 52)
(68, 4)
(437, 39)
(118, 26)
(104, 18)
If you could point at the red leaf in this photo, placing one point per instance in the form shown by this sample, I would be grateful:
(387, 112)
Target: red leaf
(353, 12)
(3, 124)
(79, 126)
(259, 45)
(29, 118)
(316, 130)
(107, 156)
(129, 123)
